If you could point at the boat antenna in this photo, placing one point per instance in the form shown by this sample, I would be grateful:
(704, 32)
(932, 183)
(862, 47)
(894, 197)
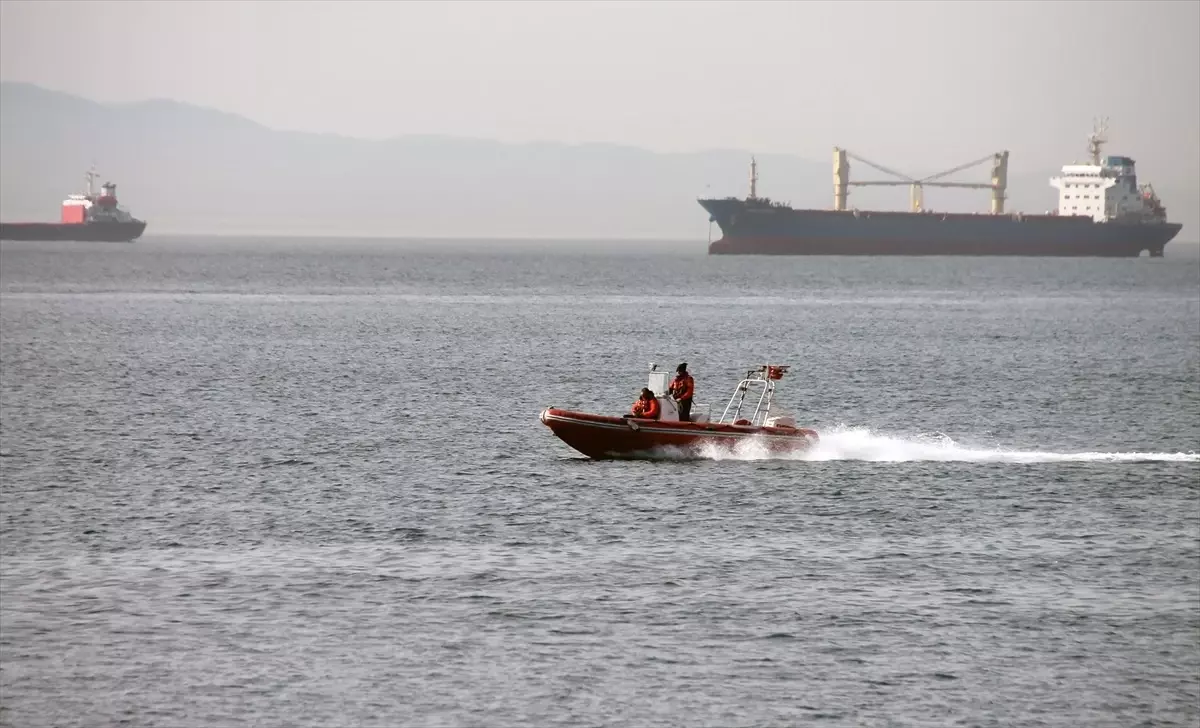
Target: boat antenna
(1097, 139)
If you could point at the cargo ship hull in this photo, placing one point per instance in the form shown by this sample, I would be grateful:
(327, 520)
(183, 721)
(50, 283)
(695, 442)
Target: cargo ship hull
(92, 232)
(766, 229)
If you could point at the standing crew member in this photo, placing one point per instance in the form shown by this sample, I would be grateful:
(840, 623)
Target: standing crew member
(682, 389)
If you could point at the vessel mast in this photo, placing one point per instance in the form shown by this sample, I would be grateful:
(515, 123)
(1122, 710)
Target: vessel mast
(90, 176)
(753, 179)
(1096, 139)
(841, 178)
(999, 181)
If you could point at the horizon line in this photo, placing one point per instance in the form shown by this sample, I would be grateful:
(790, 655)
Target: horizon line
(463, 238)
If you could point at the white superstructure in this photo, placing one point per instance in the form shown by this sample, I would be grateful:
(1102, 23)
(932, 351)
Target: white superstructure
(1106, 189)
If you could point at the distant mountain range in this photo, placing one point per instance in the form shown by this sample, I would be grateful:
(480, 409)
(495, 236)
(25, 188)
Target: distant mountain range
(187, 169)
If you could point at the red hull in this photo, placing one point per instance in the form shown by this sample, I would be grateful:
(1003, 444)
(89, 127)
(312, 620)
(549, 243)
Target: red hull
(601, 437)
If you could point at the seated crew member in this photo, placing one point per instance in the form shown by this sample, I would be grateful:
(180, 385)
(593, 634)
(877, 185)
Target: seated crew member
(646, 407)
(682, 388)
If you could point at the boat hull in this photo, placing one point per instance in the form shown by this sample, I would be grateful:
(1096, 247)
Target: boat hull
(758, 229)
(92, 232)
(610, 438)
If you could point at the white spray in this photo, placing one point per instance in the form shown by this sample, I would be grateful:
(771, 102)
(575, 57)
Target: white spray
(860, 443)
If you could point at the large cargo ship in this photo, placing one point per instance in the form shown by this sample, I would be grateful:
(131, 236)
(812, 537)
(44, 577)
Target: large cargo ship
(88, 217)
(1102, 212)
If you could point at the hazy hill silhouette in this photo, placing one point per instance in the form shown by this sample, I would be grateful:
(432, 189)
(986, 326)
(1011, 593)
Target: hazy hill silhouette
(189, 169)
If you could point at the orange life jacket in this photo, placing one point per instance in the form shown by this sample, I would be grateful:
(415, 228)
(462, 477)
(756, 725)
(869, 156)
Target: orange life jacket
(646, 408)
(683, 387)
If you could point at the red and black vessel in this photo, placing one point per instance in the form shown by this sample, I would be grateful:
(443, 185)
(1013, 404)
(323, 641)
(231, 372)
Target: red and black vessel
(88, 218)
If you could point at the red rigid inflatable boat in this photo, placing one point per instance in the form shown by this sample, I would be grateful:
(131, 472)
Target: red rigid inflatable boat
(603, 437)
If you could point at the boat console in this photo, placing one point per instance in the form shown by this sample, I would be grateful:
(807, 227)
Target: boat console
(659, 383)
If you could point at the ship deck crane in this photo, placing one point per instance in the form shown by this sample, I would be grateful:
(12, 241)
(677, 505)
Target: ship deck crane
(842, 183)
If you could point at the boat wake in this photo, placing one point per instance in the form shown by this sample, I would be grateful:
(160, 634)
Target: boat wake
(860, 443)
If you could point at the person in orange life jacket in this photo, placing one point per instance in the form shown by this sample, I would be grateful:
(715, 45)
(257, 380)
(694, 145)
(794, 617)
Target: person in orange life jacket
(682, 388)
(646, 407)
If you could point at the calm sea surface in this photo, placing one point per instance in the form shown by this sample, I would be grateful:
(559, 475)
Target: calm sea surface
(303, 483)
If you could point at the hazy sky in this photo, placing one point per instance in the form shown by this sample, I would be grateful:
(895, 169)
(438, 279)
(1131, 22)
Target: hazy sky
(921, 86)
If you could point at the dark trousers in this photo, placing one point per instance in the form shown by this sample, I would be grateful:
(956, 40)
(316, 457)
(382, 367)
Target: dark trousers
(685, 410)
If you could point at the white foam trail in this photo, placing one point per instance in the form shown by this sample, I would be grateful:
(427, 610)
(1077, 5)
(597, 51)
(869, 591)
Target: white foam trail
(860, 443)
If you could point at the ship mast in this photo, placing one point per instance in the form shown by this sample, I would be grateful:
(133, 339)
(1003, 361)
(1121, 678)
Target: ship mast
(90, 177)
(753, 179)
(1096, 139)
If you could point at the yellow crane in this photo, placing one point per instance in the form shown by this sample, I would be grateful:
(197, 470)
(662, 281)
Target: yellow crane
(842, 182)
